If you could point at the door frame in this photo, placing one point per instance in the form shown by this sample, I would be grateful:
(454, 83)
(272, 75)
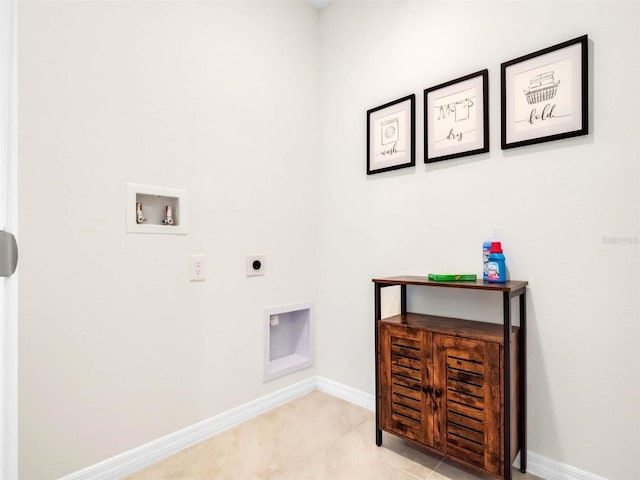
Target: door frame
(8, 222)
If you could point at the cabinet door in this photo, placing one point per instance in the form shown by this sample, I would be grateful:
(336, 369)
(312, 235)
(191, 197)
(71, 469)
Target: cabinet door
(467, 413)
(405, 360)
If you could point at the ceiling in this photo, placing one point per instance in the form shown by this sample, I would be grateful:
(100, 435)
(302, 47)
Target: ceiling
(319, 4)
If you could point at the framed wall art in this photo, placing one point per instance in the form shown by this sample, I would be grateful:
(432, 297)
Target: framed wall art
(391, 139)
(456, 118)
(545, 95)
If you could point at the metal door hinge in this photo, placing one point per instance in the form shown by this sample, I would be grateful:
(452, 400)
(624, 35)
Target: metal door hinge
(8, 254)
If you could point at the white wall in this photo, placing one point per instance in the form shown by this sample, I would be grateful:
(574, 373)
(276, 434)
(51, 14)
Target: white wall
(117, 348)
(555, 206)
(227, 100)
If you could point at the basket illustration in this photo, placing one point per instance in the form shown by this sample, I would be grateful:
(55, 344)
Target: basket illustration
(541, 88)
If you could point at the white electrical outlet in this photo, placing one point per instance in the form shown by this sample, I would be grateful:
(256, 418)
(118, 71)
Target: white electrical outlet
(255, 265)
(197, 268)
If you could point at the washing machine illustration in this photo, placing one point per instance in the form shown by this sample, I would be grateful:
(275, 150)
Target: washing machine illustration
(390, 131)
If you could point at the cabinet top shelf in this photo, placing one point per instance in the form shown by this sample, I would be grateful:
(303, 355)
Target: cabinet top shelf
(512, 286)
(491, 332)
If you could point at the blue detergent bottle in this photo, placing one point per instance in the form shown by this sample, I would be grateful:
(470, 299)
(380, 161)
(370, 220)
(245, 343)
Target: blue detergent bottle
(486, 249)
(496, 268)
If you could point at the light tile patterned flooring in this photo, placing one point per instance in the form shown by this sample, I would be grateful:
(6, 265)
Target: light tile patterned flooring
(315, 437)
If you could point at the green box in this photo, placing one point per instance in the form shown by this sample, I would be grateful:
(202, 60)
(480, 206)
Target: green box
(453, 277)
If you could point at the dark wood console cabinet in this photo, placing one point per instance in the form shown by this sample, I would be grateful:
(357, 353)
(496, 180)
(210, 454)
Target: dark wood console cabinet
(456, 387)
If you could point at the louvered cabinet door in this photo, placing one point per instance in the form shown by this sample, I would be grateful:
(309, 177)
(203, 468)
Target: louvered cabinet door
(467, 413)
(404, 406)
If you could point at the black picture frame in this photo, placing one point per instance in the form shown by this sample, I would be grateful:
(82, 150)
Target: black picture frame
(391, 135)
(456, 118)
(544, 95)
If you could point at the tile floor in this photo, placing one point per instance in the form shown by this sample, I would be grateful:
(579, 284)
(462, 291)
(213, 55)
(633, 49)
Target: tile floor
(315, 437)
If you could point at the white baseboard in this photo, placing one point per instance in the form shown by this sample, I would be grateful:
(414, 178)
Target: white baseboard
(549, 469)
(351, 395)
(152, 452)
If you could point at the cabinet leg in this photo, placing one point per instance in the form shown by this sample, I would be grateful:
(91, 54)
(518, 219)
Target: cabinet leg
(378, 437)
(506, 441)
(523, 382)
